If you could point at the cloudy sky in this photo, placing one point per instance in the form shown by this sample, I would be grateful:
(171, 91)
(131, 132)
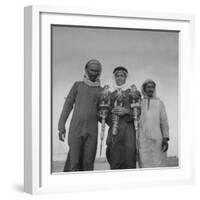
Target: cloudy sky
(145, 53)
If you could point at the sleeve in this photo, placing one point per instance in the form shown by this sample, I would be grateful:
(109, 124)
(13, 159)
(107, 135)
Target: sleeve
(109, 119)
(164, 121)
(109, 116)
(98, 99)
(67, 107)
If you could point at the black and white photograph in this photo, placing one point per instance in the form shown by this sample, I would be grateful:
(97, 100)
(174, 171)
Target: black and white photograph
(114, 99)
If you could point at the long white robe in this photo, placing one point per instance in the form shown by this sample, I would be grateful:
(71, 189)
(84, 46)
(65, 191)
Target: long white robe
(153, 127)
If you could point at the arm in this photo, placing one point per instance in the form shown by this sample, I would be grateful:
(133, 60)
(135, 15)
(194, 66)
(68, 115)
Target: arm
(164, 128)
(98, 107)
(68, 106)
(109, 119)
(164, 121)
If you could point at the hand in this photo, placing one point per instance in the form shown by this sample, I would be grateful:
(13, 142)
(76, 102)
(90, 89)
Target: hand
(136, 112)
(102, 113)
(165, 145)
(120, 111)
(61, 135)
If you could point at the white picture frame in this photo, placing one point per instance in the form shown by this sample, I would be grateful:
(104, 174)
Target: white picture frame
(37, 140)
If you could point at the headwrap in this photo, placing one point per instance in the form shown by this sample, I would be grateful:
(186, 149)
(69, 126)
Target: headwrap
(120, 69)
(123, 87)
(143, 86)
(86, 79)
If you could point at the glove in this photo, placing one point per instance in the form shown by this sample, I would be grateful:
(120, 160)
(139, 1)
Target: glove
(165, 144)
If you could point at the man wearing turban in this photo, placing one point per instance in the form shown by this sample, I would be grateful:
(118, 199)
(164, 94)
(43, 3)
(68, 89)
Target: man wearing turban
(121, 146)
(83, 131)
(153, 129)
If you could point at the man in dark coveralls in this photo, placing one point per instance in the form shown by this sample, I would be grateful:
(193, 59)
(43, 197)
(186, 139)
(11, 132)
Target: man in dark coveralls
(83, 131)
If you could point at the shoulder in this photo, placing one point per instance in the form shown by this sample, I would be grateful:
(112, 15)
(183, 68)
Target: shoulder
(113, 93)
(77, 83)
(159, 100)
(100, 88)
(161, 103)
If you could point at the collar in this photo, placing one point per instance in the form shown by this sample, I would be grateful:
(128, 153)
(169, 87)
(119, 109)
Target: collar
(90, 83)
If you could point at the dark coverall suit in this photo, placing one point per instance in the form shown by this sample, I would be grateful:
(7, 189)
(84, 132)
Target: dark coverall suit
(83, 131)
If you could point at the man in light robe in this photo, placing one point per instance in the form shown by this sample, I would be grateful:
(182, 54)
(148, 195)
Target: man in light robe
(82, 138)
(153, 129)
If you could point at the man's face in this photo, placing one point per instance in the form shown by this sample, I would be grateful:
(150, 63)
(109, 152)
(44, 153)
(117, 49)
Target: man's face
(149, 89)
(93, 71)
(120, 78)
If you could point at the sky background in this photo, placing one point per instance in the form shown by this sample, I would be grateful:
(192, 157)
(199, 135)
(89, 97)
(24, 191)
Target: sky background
(146, 54)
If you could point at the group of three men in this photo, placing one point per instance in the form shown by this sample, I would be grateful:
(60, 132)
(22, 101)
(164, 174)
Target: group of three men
(121, 152)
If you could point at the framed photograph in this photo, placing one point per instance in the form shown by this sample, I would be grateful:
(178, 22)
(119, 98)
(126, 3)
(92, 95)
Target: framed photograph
(106, 99)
